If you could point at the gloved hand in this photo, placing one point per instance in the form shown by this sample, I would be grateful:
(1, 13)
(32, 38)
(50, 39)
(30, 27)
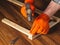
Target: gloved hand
(40, 25)
(23, 8)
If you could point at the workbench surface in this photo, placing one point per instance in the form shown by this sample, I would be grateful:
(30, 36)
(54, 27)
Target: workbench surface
(7, 34)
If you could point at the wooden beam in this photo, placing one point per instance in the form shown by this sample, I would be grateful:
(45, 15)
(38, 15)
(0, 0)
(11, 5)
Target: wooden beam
(19, 28)
(21, 4)
(53, 23)
(26, 31)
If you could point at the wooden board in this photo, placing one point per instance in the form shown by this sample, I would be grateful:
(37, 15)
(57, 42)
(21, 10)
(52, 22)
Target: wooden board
(21, 4)
(26, 31)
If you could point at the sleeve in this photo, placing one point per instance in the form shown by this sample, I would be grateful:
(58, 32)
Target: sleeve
(57, 1)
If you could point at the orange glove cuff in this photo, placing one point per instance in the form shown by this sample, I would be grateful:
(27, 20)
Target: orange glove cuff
(44, 16)
(29, 1)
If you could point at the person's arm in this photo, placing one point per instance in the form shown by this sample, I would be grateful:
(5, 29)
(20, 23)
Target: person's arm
(52, 8)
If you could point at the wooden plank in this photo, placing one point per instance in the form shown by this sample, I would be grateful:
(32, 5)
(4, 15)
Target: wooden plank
(19, 28)
(21, 4)
(14, 25)
(53, 23)
(23, 30)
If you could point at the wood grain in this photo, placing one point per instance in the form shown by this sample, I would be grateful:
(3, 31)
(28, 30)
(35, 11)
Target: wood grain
(7, 33)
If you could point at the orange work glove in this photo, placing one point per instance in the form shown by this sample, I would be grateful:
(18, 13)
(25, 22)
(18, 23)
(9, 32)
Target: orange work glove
(23, 8)
(29, 1)
(40, 25)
